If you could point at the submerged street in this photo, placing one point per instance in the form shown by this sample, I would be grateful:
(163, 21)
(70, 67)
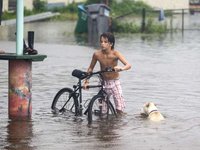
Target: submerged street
(165, 70)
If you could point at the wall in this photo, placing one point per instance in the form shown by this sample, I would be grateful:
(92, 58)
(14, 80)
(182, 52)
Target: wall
(27, 3)
(168, 4)
(5, 5)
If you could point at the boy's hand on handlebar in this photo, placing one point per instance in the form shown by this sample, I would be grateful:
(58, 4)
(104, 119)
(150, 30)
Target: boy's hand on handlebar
(85, 85)
(118, 68)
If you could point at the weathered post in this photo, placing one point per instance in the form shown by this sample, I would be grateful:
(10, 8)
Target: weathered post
(20, 85)
(182, 20)
(20, 73)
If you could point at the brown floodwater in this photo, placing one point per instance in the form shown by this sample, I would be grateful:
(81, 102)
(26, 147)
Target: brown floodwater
(165, 70)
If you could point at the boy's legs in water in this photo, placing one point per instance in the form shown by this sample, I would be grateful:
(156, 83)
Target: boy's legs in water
(113, 87)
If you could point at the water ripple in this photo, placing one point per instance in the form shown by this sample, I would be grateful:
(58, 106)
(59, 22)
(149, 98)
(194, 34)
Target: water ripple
(165, 70)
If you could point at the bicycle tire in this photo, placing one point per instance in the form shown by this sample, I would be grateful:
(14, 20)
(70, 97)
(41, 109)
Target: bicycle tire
(95, 112)
(61, 98)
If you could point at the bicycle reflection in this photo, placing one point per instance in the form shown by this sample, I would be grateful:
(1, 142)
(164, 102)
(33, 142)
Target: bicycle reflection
(19, 135)
(106, 131)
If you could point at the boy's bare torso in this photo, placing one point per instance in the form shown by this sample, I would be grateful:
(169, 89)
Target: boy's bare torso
(107, 59)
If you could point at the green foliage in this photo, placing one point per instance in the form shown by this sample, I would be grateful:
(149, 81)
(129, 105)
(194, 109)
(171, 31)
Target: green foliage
(39, 5)
(69, 12)
(70, 8)
(127, 6)
(152, 27)
(65, 16)
(28, 12)
(7, 15)
(125, 27)
(134, 10)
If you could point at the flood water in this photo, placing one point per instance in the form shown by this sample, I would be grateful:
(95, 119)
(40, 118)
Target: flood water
(165, 70)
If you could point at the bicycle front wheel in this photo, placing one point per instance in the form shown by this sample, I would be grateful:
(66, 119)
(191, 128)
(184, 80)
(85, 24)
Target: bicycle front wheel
(65, 101)
(99, 109)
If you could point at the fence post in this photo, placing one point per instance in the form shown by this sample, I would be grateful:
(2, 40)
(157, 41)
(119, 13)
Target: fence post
(182, 20)
(171, 22)
(143, 20)
(1, 7)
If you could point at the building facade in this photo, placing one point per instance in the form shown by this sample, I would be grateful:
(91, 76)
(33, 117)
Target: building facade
(10, 5)
(168, 4)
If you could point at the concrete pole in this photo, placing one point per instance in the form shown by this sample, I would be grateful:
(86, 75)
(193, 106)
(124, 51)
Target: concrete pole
(20, 75)
(20, 89)
(20, 27)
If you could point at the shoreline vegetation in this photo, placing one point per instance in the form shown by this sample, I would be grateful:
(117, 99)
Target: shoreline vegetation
(126, 15)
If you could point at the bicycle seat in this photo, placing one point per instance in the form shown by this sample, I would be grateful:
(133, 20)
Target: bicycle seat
(79, 74)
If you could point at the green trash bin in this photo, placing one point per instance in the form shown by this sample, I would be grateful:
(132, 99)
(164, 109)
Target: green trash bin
(81, 26)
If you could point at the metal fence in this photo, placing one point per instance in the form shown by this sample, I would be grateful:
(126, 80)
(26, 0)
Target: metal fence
(176, 19)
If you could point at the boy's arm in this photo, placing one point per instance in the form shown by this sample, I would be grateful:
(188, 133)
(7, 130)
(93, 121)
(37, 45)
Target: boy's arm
(91, 67)
(126, 66)
(92, 64)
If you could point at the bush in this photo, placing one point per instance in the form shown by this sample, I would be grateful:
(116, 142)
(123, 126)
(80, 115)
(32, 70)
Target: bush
(152, 27)
(127, 6)
(125, 27)
(70, 8)
(39, 6)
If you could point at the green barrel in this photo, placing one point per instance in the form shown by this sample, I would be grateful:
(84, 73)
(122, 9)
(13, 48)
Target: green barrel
(81, 26)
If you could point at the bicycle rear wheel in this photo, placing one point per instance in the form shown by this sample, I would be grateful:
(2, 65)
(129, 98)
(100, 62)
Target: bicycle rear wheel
(98, 109)
(64, 101)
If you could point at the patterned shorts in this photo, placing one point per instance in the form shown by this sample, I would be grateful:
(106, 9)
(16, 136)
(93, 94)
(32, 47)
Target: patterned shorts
(113, 87)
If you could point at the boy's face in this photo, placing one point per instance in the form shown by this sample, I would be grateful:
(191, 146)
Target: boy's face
(105, 44)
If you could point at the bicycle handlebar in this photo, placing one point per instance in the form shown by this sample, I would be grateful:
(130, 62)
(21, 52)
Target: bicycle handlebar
(108, 69)
(93, 86)
(82, 75)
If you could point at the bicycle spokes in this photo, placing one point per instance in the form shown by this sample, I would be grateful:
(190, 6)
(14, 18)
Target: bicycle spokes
(64, 101)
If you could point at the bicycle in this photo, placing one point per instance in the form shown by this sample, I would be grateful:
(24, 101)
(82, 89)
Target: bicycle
(70, 100)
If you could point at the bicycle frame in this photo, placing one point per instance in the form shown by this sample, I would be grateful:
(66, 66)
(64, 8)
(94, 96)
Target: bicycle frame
(76, 95)
(76, 92)
(106, 97)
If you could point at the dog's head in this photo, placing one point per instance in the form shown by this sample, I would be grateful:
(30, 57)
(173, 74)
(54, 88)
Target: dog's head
(148, 108)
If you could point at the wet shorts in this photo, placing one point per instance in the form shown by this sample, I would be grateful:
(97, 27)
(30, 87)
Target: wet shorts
(113, 87)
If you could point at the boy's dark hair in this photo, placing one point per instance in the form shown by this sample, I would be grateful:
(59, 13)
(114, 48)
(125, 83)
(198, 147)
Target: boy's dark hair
(110, 37)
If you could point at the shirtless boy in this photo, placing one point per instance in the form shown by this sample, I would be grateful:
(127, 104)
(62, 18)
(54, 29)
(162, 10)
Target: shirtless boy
(107, 56)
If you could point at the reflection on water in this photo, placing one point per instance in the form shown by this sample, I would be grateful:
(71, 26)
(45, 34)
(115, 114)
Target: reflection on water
(19, 135)
(165, 70)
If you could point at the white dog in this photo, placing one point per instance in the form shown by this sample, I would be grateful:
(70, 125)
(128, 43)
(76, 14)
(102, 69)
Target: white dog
(151, 112)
